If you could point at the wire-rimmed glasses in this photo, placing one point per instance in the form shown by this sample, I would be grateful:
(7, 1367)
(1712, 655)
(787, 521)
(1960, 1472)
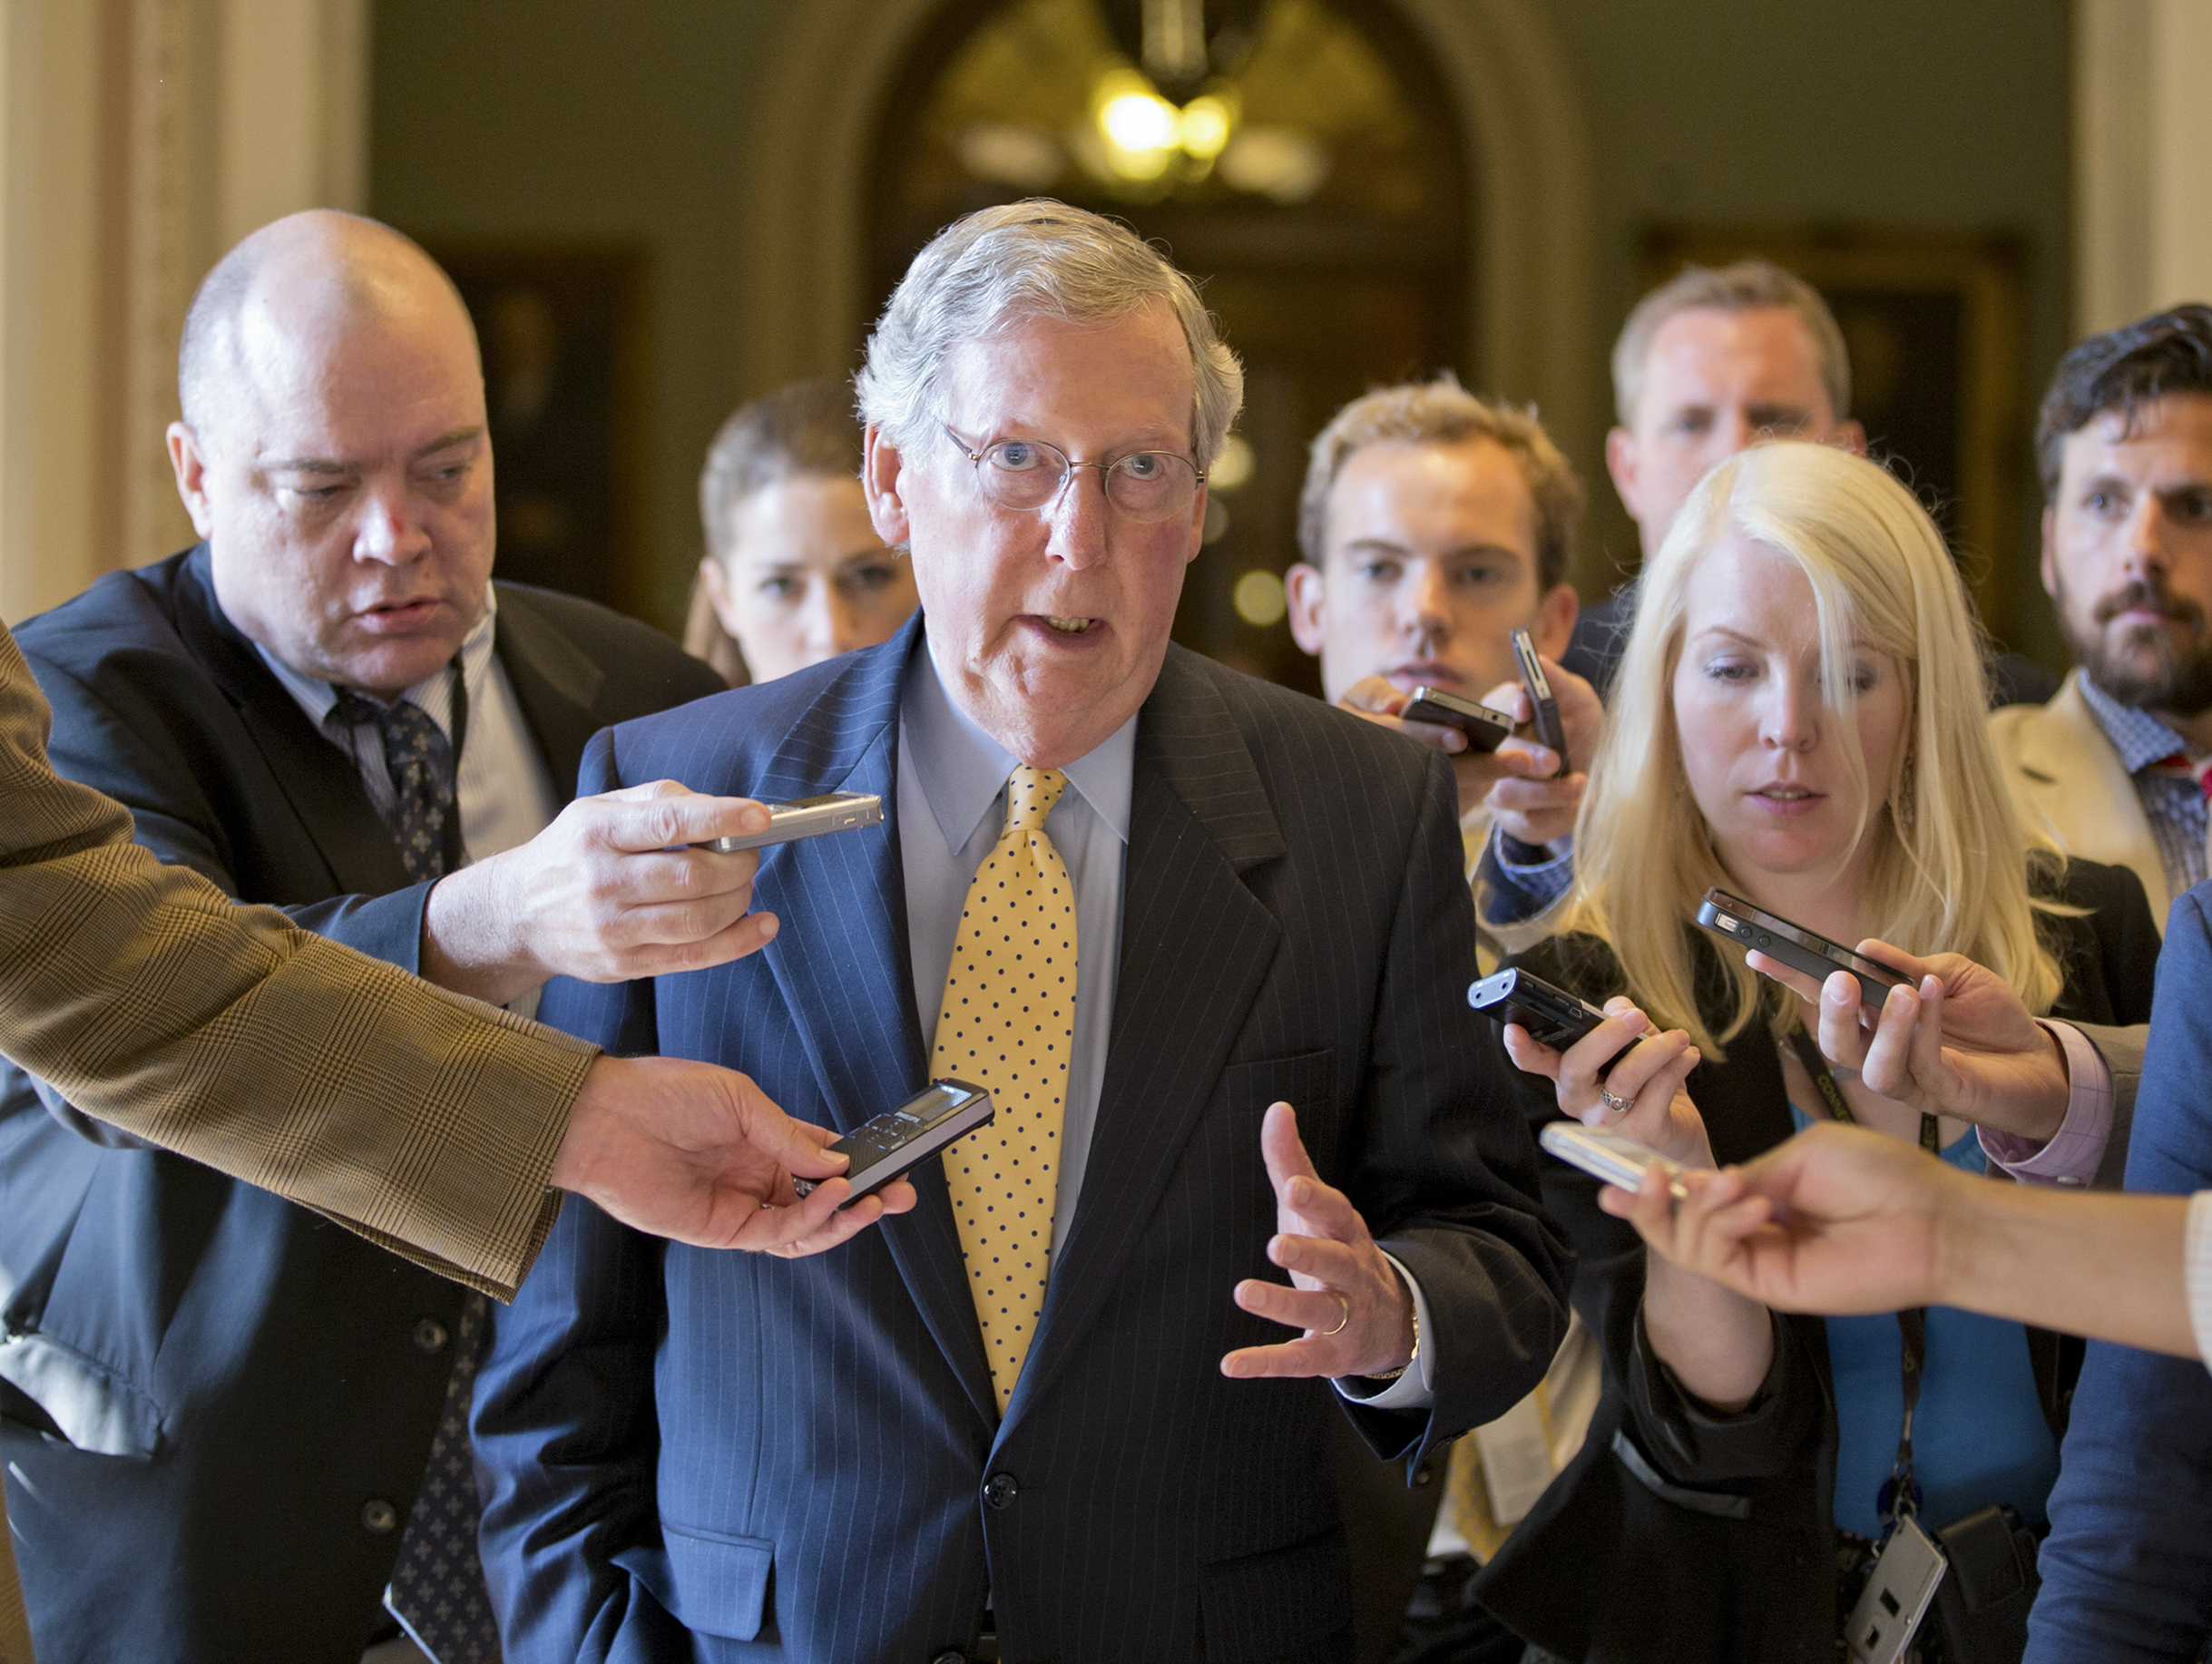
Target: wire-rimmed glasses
(1148, 486)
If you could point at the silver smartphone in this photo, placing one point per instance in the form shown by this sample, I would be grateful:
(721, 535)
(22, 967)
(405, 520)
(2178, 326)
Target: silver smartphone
(900, 1140)
(837, 811)
(1545, 719)
(1616, 1159)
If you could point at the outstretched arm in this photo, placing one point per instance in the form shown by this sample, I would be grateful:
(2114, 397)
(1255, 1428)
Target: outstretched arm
(1841, 1219)
(423, 1119)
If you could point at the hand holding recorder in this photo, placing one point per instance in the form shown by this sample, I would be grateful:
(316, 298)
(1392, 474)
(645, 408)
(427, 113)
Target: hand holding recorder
(1607, 1068)
(1497, 744)
(1844, 1220)
(1950, 1038)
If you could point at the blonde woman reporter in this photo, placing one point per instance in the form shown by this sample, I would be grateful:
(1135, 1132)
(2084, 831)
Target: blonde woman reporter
(1798, 720)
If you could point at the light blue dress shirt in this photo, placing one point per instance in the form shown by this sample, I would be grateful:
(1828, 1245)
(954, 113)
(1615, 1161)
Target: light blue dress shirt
(952, 808)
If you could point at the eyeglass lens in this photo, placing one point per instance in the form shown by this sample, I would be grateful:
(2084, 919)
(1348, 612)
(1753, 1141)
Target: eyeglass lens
(1146, 485)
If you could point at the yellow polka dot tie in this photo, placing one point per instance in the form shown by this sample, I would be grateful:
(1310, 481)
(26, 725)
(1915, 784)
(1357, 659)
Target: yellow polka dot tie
(1006, 1024)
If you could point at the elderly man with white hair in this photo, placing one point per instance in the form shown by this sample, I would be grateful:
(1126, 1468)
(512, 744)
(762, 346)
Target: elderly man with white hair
(1207, 945)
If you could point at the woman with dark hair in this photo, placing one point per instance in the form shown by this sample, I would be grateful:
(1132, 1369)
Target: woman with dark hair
(794, 574)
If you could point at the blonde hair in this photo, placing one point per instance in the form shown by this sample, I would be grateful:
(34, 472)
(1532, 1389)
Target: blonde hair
(1951, 864)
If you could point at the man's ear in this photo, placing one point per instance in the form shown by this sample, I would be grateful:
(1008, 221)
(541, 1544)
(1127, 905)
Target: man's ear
(882, 478)
(190, 464)
(1849, 436)
(2049, 561)
(1555, 616)
(1304, 586)
(1620, 463)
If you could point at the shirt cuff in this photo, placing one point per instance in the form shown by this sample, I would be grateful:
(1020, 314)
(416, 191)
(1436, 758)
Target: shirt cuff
(1514, 890)
(2072, 1155)
(2197, 1270)
(1411, 1390)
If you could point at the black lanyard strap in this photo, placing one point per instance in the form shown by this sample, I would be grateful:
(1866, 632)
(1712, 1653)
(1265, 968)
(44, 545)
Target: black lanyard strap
(1900, 1497)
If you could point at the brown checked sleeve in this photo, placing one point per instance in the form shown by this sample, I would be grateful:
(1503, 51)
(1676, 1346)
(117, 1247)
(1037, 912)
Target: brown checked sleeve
(424, 1120)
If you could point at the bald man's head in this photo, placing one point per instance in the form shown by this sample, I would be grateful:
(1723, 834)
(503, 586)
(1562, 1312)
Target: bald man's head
(333, 451)
(320, 267)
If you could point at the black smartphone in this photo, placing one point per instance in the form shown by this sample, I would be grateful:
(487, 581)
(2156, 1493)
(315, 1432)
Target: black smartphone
(1549, 729)
(900, 1140)
(1486, 729)
(1551, 1014)
(1734, 919)
(836, 811)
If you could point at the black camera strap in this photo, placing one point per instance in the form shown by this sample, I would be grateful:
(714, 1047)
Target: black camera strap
(1899, 1498)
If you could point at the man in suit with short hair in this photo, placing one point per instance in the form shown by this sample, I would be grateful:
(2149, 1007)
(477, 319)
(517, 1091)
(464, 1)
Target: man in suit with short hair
(231, 1035)
(217, 1409)
(1205, 942)
(2115, 765)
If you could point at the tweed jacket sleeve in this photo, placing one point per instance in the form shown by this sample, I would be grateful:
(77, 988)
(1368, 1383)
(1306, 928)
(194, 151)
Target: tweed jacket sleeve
(426, 1122)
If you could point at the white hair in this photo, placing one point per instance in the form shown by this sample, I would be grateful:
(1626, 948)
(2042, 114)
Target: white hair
(1037, 259)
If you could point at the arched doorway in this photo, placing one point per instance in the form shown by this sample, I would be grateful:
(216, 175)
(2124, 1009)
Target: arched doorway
(1301, 158)
(840, 67)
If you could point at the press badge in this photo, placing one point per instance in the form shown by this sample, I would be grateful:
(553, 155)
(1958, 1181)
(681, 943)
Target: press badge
(1896, 1596)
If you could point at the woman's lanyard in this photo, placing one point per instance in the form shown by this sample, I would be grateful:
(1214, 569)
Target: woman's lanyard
(1900, 1497)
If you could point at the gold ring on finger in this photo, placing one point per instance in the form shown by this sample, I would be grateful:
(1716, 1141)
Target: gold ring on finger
(1343, 1320)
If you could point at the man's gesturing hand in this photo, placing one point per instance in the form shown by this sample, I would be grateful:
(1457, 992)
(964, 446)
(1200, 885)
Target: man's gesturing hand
(1356, 1310)
(611, 891)
(688, 1151)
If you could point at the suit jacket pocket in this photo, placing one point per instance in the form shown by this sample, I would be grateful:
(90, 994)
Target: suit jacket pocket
(1305, 1080)
(712, 1583)
(1285, 1606)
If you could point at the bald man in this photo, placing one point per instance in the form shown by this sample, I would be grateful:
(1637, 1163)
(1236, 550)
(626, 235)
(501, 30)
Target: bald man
(228, 1425)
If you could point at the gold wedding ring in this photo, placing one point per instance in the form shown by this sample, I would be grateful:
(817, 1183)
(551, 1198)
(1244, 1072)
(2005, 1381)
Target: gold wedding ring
(1341, 1321)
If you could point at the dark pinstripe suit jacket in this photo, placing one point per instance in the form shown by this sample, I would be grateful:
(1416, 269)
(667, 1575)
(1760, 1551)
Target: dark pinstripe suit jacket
(787, 1459)
(215, 1381)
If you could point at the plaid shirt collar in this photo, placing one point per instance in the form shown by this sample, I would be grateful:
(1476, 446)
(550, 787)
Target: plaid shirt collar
(2139, 737)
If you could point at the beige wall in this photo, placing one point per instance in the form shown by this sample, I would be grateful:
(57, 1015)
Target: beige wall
(2143, 158)
(138, 139)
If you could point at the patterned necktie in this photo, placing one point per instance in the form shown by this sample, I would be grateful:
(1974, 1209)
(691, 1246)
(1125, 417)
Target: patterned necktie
(419, 764)
(1006, 1025)
(2197, 771)
(438, 1589)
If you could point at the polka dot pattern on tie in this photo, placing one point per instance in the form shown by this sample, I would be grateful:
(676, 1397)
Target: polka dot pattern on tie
(1006, 1025)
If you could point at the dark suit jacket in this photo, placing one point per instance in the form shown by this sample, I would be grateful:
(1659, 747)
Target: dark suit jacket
(788, 1458)
(2128, 1567)
(241, 1379)
(1725, 1534)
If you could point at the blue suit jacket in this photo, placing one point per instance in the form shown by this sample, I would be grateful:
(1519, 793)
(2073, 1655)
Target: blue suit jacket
(717, 1455)
(2128, 1567)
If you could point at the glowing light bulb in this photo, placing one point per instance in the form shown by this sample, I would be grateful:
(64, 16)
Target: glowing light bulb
(1140, 122)
(1205, 127)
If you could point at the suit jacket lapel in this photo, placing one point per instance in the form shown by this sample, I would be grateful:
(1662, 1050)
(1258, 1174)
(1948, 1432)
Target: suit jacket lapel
(556, 685)
(1199, 819)
(317, 778)
(843, 964)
